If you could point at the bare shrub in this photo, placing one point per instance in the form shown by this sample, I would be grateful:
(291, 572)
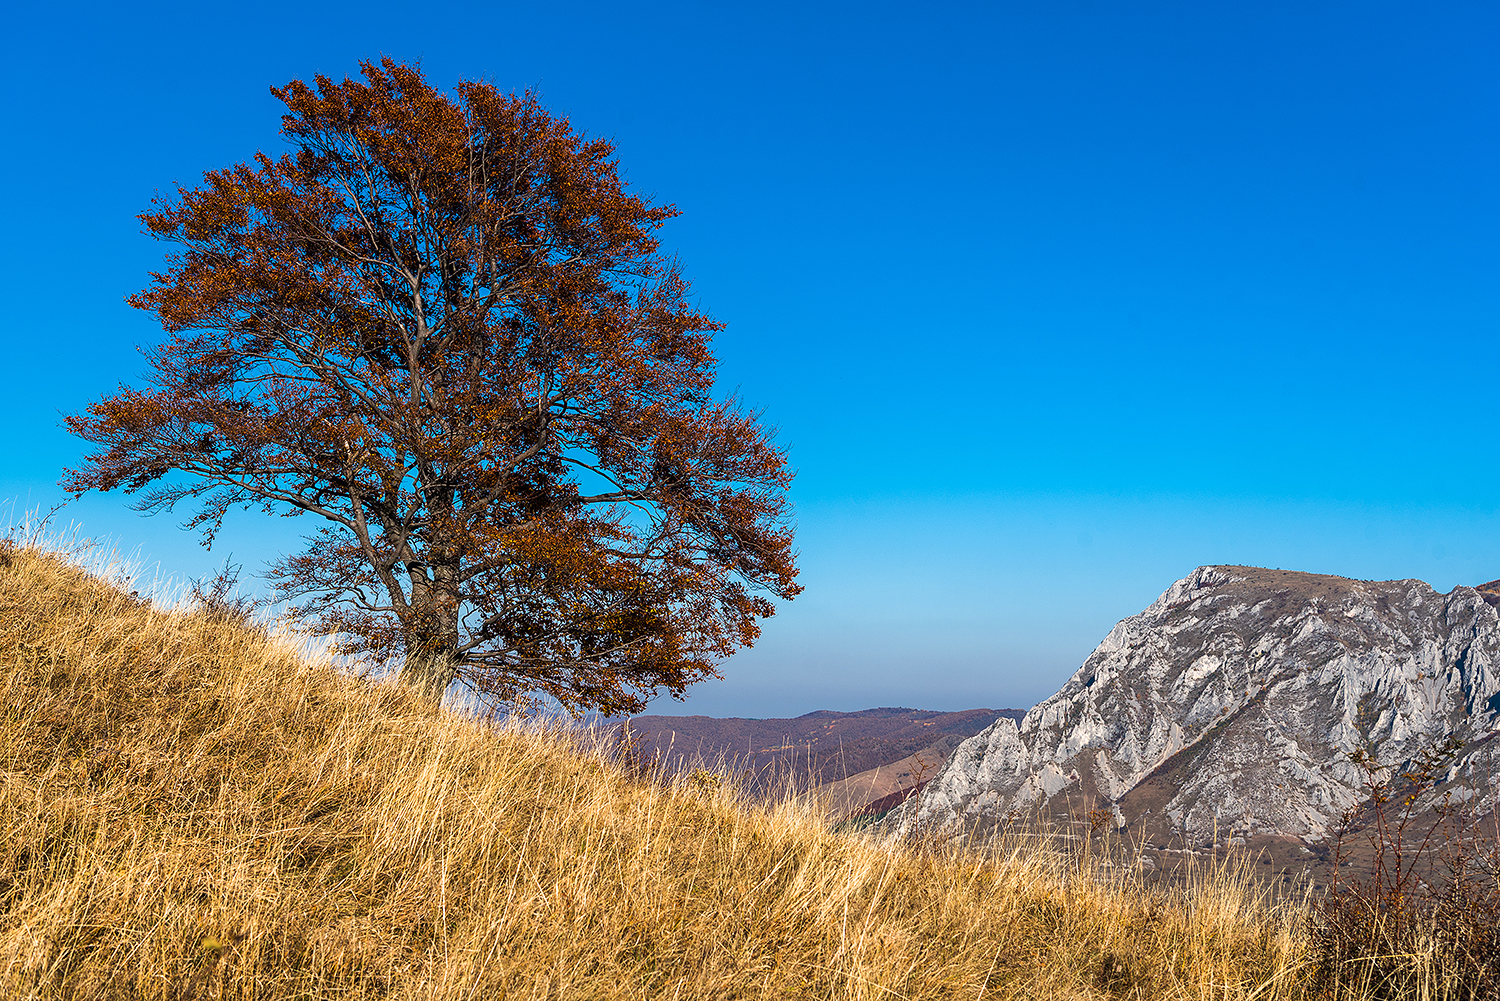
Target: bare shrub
(1421, 916)
(219, 597)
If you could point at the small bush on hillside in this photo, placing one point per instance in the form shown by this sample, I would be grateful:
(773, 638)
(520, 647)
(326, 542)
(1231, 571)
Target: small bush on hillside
(218, 596)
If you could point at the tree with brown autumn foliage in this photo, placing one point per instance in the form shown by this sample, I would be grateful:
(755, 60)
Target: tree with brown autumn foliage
(441, 325)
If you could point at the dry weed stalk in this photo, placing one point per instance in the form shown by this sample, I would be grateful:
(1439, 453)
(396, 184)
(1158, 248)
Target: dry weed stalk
(1423, 919)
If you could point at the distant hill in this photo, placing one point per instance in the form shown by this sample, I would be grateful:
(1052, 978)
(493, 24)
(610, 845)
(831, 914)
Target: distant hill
(813, 749)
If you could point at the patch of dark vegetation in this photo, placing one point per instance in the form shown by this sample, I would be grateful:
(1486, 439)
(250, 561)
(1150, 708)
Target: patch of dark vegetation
(1422, 916)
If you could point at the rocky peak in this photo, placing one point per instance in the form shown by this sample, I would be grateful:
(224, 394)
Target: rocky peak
(1233, 703)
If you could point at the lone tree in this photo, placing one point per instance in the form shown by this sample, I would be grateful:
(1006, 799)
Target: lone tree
(442, 326)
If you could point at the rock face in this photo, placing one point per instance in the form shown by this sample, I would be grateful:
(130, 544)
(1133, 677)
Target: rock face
(1231, 705)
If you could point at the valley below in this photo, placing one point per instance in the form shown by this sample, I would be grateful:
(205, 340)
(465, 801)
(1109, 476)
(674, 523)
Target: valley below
(851, 760)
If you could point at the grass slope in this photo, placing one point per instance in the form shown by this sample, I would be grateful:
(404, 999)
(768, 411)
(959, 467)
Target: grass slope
(191, 809)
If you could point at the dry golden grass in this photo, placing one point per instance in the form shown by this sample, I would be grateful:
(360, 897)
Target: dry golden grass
(192, 809)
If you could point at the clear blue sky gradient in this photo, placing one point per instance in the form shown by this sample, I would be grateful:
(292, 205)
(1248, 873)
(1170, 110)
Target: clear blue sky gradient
(1052, 302)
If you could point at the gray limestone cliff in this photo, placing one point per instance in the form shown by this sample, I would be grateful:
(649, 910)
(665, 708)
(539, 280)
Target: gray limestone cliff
(1233, 703)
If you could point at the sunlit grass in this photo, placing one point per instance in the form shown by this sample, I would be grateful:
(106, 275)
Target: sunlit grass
(194, 808)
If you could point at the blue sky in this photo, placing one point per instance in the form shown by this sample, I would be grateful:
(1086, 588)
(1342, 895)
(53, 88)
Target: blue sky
(1051, 302)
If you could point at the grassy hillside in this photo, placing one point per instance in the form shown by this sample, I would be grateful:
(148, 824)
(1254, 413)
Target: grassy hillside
(191, 810)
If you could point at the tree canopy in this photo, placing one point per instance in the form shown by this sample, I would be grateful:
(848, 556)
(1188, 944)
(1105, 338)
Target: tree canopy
(442, 325)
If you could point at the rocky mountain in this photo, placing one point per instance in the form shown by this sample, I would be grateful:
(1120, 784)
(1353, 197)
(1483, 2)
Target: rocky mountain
(1230, 706)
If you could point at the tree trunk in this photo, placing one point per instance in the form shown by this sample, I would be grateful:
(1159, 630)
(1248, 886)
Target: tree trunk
(432, 657)
(429, 674)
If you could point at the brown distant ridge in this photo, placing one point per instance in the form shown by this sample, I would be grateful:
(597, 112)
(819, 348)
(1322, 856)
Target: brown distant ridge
(1490, 592)
(816, 748)
(885, 804)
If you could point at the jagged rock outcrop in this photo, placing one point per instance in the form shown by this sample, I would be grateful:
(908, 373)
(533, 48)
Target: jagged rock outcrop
(1232, 704)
